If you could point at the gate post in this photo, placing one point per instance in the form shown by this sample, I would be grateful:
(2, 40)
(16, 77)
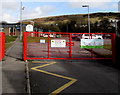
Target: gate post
(25, 46)
(2, 45)
(70, 46)
(49, 45)
(114, 47)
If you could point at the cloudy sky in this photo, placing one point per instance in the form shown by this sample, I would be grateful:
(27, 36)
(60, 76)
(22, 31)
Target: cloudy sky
(10, 9)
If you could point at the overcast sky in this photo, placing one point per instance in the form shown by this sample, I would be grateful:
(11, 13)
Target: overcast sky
(10, 9)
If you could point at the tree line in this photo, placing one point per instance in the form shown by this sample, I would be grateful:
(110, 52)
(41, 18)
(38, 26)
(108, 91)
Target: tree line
(73, 25)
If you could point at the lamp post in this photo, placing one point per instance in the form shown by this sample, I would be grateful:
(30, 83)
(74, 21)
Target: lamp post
(115, 21)
(21, 8)
(88, 17)
(116, 27)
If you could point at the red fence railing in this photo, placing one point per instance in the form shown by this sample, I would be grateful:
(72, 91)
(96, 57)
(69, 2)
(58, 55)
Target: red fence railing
(56, 45)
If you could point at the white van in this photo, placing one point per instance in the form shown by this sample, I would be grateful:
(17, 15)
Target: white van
(93, 36)
(46, 35)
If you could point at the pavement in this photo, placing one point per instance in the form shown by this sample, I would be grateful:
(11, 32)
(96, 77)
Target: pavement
(13, 71)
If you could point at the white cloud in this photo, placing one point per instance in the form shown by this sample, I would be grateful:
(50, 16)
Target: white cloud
(38, 12)
(94, 4)
(93, 0)
(10, 5)
(9, 18)
(91, 4)
(44, 0)
(9, 10)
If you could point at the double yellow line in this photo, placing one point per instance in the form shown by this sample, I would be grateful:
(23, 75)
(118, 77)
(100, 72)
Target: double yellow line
(72, 80)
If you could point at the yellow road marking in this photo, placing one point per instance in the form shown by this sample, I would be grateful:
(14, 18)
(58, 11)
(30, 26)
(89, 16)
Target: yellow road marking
(63, 87)
(44, 65)
(72, 80)
(40, 62)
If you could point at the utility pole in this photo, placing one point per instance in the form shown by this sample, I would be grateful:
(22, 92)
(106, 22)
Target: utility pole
(88, 18)
(21, 20)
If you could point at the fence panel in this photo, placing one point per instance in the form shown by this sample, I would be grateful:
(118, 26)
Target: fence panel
(55, 45)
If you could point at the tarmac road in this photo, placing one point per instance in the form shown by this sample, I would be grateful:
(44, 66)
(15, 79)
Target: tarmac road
(73, 76)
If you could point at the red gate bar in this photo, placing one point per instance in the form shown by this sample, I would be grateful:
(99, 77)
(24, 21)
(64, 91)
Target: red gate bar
(70, 44)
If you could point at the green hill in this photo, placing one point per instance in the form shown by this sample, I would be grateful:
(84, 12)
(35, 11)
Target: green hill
(71, 21)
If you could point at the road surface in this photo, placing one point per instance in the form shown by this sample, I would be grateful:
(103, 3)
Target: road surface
(73, 76)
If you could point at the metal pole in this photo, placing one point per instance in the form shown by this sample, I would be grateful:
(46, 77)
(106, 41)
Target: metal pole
(88, 21)
(116, 26)
(88, 18)
(21, 21)
(67, 27)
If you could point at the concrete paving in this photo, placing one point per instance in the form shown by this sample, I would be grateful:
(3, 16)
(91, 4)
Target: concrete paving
(13, 73)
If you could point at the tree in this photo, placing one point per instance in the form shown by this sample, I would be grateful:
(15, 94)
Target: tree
(104, 25)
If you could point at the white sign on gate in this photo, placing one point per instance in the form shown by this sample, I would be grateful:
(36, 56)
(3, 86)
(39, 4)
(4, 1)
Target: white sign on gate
(92, 43)
(58, 43)
(29, 28)
(42, 41)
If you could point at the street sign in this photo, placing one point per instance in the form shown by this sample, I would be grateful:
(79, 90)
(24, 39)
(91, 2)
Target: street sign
(29, 28)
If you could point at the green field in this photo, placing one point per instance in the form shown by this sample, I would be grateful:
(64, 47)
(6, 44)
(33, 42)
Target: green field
(36, 39)
(9, 41)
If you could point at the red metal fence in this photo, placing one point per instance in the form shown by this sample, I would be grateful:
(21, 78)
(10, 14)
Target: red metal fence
(56, 45)
(2, 45)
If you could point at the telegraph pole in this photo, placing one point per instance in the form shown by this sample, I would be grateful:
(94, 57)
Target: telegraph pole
(88, 18)
(21, 21)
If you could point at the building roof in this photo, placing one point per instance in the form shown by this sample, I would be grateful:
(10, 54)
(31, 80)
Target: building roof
(5, 24)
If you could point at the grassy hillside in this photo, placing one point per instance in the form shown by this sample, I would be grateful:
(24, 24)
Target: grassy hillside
(76, 22)
(65, 18)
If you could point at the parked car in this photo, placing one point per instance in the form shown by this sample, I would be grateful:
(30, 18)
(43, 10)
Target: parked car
(92, 36)
(46, 35)
(76, 36)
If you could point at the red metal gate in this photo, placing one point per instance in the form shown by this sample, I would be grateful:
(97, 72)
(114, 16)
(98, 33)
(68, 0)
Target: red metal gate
(55, 45)
(2, 45)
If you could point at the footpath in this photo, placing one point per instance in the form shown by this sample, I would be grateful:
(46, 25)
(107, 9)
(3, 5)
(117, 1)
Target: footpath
(13, 71)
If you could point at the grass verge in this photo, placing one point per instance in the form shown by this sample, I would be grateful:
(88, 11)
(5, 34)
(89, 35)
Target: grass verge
(9, 41)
